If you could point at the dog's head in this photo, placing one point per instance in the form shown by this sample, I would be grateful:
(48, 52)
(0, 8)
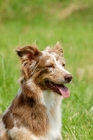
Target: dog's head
(46, 68)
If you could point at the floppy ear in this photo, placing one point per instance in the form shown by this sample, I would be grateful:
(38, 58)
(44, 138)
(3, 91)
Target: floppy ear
(29, 55)
(29, 52)
(58, 48)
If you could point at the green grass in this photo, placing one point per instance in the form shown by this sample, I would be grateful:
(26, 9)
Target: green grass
(44, 27)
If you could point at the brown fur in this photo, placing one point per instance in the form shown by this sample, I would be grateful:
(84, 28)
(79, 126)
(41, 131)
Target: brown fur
(7, 119)
(31, 112)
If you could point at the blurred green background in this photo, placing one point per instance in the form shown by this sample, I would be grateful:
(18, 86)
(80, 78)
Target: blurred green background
(23, 22)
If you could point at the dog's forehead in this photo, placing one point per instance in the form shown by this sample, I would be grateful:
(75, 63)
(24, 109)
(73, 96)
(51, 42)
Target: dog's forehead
(49, 56)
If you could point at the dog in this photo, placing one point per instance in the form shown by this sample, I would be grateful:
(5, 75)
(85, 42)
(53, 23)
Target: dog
(35, 112)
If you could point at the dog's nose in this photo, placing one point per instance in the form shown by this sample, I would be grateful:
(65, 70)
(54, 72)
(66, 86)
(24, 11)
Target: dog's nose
(68, 77)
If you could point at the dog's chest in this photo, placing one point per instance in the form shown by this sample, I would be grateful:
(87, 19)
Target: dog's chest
(54, 126)
(53, 111)
(53, 105)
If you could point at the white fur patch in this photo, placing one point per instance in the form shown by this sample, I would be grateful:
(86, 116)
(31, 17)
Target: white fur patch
(58, 65)
(23, 134)
(56, 62)
(2, 128)
(53, 101)
(19, 92)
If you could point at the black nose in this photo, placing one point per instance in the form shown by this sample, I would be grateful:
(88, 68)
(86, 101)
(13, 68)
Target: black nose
(68, 77)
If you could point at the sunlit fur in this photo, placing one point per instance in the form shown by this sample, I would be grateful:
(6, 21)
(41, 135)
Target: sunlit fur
(35, 113)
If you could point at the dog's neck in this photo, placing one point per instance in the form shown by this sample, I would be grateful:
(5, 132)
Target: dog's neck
(45, 97)
(51, 100)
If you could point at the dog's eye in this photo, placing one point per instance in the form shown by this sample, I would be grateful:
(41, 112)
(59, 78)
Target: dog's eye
(49, 66)
(63, 65)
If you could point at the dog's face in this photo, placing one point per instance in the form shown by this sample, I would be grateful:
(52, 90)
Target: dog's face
(46, 68)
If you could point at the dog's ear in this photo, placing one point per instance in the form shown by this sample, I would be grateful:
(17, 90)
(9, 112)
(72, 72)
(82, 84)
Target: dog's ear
(29, 56)
(28, 52)
(58, 48)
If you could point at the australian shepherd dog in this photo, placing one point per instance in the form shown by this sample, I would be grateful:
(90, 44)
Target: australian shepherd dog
(35, 112)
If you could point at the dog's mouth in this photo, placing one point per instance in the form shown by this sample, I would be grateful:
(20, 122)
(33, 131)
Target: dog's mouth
(60, 89)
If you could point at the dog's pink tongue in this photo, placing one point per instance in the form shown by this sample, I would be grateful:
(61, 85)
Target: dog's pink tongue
(64, 91)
